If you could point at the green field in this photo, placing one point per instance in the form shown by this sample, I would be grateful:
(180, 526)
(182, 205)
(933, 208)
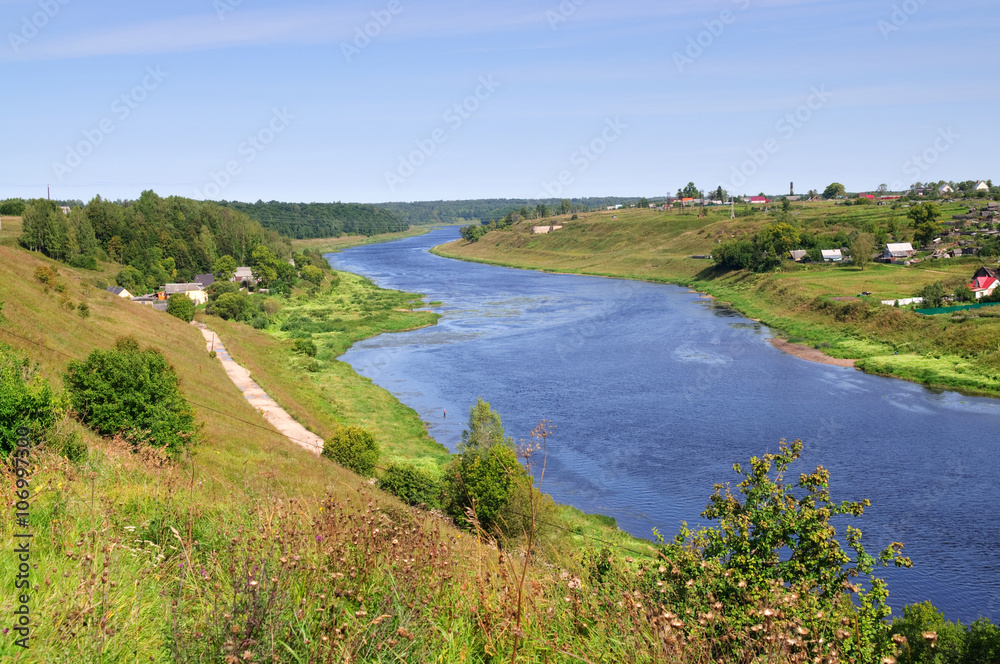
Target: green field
(816, 304)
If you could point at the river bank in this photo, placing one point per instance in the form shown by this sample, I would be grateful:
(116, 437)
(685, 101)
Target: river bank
(797, 302)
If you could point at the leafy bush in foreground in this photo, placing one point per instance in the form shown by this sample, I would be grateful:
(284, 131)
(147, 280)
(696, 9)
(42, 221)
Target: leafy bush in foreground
(411, 484)
(353, 448)
(133, 392)
(26, 400)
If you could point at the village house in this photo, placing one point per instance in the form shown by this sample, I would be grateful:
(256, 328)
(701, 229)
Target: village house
(798, 255)
(984, 282)
(205, 280)
(870, 197)
(244, 274)
(119, 291)
(982, 186)
(193, 291)
(832, 255)
(899, 251)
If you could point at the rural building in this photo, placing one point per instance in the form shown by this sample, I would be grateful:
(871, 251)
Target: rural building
(798, 255)
(543, 230)
(244, 274)
(757, 200)
(205, 280)
(947, 190)
(119, 291)
(832, 255)
(870, 197)
(193, 291)
(900, 251)
(982, 186)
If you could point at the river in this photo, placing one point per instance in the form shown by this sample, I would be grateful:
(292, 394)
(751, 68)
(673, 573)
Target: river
(656, 391)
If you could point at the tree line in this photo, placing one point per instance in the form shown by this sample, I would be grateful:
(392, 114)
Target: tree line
(157, 240)
(319, 220)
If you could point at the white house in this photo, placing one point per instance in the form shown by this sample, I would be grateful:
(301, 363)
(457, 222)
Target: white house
(947, 190)
(898, 251)
(982, 186)
(193, 291)
(832, 255)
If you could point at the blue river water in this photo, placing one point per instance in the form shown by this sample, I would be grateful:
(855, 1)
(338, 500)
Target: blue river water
(656, 391)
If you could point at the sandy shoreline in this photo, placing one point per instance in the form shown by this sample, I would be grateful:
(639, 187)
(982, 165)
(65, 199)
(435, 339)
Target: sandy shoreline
(809, 353)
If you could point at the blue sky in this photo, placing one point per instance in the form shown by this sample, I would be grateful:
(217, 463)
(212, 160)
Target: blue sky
(257, 99)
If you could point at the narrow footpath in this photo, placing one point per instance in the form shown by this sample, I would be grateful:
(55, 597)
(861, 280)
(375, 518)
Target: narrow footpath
(258, 398)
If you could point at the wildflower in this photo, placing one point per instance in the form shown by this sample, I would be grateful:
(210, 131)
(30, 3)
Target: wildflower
(319, 538)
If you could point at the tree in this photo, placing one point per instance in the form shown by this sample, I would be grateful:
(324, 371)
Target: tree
(925, 222)
(834, 190)
(484, 476)
(883, 188)
(312, 274)
(181, 306)
(354, 448)
(933, 295)
(778, 238)
(131, 280)
(862, 249)
(264, 265)
(643, 202)
(689, 191)
(721, 194)
(229, 306)
(132, 392)
(225, 267)
(565, 206)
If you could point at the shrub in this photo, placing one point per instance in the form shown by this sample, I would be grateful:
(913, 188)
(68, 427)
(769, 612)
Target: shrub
(305, 347)
(412, 485)
(219, 288)
(353, 448)
(181, 306)
(131, 280)
(229, 306)
(132, 392)
(84, 262)
(26, 400)
(83, 310)
(45, 275)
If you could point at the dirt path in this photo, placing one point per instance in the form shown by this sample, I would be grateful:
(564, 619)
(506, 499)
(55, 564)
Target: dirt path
(809, 353)
(258, 398)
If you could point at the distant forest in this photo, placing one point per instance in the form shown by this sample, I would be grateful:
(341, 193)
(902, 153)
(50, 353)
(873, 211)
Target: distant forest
(315, 220)
(161, 239)
(487, 210)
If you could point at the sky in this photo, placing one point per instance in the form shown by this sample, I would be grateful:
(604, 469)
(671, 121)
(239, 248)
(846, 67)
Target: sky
(396, 100)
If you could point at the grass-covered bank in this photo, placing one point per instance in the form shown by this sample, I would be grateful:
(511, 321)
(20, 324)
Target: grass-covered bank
(334, 244)
(815, 304)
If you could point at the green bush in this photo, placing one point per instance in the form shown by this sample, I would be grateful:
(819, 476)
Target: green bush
(132, 392)
(353, 448)
(220, 288)
(229, 306)
(181, 306)
(305, 347)
(26, 400)
(948, 642)
(412, 485)
(484, 476)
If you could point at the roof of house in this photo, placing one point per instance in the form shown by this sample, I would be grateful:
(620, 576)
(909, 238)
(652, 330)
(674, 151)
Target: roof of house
(170, 289)
(205, 280)
(117, 290)
(798, 253)
(759, 199)
(983, 283)
(832, 253)
(900, 249)
(244, 272)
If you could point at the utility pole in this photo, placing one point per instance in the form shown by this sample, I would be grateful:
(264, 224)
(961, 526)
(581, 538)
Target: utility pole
(732, 207)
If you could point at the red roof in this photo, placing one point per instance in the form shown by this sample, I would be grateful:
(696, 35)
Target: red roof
(983, 283)
(759, 199)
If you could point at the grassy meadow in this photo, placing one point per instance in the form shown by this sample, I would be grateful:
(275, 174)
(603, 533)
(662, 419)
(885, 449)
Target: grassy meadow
(816, 304)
